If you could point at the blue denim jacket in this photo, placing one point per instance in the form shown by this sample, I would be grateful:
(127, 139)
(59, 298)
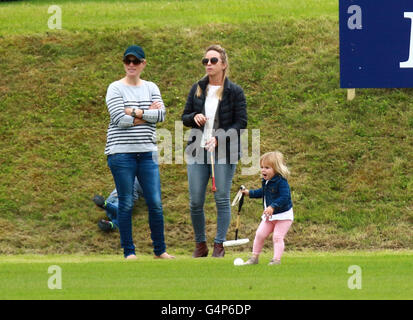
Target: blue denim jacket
(277, 194)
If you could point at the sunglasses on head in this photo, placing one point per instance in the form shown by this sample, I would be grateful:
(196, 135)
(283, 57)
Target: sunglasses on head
(213, 60)
(127, 61)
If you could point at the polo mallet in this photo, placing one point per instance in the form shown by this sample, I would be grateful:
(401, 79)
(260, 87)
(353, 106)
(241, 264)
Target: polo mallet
(214, 188)
(239, 198)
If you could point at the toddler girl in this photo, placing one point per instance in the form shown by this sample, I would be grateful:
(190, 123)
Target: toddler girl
(278, 208)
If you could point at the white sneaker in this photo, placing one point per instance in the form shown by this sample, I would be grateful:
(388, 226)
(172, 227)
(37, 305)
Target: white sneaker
(274, 262)
(251, 260)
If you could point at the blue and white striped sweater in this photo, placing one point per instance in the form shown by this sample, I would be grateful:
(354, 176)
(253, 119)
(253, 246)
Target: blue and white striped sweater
(122, 135)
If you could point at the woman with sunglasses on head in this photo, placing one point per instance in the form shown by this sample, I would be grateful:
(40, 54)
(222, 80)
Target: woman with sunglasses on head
(135, 106)
(216, 111)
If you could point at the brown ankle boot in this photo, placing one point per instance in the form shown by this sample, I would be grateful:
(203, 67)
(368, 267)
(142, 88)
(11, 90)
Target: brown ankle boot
(201, 250)
(219, 251)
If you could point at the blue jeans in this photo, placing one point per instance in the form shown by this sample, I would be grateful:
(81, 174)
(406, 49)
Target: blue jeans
(125, 167)
(198, 177)
(112, 203)
(112, 211)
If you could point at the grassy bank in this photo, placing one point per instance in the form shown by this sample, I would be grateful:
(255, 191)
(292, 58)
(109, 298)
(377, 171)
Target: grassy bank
(351, 162)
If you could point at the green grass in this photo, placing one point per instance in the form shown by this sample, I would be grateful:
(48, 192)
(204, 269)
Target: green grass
(91, 16)
(302, 275)
(352, 174)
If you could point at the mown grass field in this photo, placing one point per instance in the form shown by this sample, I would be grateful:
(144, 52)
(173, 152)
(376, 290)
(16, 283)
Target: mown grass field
(305, 275)
(352, 174)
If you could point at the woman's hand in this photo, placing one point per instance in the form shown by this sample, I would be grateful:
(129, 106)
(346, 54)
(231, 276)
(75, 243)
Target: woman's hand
(128, 111)
(200, 119)
(211, 144)
(245, 192)
(138, 112)
(137, 121)
(156, 105)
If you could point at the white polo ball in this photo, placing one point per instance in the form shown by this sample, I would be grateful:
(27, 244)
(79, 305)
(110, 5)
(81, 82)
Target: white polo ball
(238, 262)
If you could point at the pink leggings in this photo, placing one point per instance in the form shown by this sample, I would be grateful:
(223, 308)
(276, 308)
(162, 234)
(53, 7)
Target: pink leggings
(279, 229)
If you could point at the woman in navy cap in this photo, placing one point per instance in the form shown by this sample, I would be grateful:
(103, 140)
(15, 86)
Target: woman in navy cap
(135, 106)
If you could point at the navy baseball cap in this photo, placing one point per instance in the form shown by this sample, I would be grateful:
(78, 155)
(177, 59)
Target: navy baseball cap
(136, 51)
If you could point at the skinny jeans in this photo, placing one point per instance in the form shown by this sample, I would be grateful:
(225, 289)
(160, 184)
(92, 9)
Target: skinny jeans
(199, 175)
(125, 167)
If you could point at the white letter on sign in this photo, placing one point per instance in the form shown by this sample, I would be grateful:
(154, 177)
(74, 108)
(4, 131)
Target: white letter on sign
(55, 21)
(409, 62)
(55, 281)
(354, 22)
(354, 282)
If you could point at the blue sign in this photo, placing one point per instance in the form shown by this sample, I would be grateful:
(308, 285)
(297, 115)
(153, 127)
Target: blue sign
(376, 43)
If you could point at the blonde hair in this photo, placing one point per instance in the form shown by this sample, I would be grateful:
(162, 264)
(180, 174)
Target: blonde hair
(276, 161)
(224, 59)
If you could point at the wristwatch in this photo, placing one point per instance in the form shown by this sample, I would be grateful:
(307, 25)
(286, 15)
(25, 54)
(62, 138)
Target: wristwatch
(133, 114)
